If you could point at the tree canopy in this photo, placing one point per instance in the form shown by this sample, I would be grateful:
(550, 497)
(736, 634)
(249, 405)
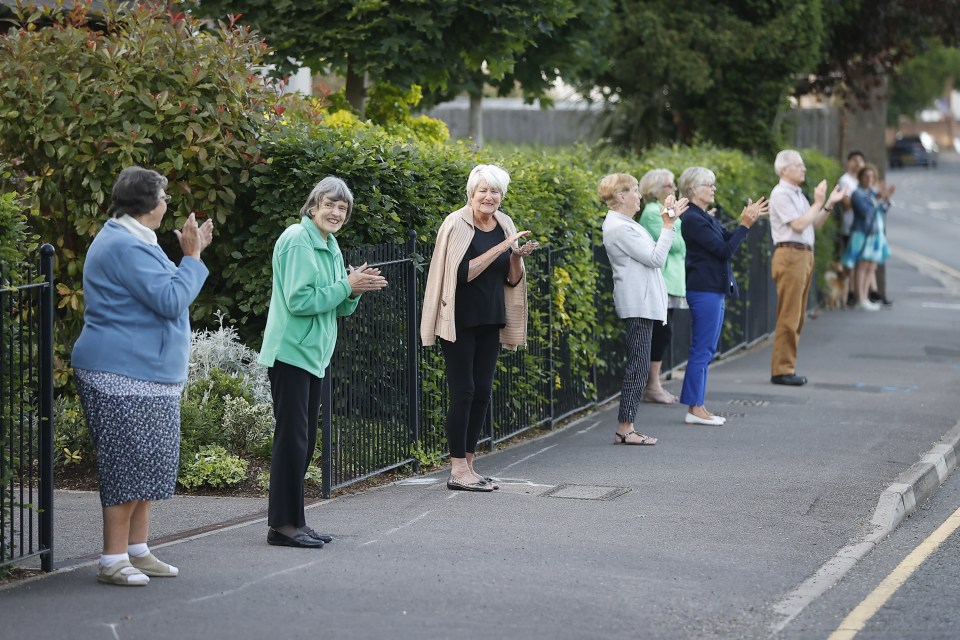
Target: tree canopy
(718, 70)
(921, 80)
(670, 70)
(867, 40)
(443, 45)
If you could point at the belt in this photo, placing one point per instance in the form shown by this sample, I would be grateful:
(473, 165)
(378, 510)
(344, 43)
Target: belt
(795, 245)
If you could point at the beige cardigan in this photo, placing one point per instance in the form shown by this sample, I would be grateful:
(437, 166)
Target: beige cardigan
(439, 300)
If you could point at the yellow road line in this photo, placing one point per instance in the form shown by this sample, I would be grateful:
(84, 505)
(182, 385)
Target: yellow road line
(858, 618)
(918, 259)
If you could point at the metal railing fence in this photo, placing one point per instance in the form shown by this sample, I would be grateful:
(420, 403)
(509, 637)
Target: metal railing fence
(26, 416)
(387, 395)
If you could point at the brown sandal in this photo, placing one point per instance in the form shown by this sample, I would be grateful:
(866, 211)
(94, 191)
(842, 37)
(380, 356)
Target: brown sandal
(644, 440)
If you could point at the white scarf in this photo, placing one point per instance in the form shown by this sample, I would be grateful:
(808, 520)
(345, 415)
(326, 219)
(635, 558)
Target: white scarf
(137, 229)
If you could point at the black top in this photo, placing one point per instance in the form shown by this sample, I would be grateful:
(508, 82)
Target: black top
(480, 301)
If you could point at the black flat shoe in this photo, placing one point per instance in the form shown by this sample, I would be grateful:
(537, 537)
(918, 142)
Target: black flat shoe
(789, 379)
(325, 538)
(299, 539)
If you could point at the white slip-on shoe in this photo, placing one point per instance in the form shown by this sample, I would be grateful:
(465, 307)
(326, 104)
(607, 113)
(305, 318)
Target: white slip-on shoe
(715, 421)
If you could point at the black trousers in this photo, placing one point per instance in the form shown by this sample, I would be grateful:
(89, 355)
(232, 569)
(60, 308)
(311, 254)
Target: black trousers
(296, 407)
(471, 364)
(661, 338)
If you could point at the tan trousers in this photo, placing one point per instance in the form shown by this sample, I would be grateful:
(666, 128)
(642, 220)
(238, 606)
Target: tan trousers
(792, 271)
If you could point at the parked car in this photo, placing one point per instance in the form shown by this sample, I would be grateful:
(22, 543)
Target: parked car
(914, 151)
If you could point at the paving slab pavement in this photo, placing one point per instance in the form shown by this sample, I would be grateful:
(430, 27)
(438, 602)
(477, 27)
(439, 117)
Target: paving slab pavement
(700, 536)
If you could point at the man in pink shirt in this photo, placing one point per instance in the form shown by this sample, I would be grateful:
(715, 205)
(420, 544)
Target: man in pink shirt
(792, 223)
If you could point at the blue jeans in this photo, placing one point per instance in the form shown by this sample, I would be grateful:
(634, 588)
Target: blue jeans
(706, 318)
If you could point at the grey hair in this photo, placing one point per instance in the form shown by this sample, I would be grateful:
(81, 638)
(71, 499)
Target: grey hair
(693, 177)
(332, 187)
(136, 192)
(652, 183)
(784, 159)
(492, 175)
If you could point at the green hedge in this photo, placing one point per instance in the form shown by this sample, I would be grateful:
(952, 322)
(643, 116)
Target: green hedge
(400, 184)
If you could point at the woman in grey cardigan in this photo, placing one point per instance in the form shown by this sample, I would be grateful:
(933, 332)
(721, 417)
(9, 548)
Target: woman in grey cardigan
(639, 293)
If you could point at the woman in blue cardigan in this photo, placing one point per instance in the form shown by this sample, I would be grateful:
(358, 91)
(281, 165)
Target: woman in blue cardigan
(868, 242)
(709, 281)
(130, 363)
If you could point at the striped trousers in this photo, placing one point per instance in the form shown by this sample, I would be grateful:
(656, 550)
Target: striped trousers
(639, 334)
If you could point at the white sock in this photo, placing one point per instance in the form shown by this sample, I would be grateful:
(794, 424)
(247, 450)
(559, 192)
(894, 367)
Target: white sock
(110, 559)
(138, 550)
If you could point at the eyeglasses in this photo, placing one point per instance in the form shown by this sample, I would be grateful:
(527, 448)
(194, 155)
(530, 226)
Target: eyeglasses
(166, 198)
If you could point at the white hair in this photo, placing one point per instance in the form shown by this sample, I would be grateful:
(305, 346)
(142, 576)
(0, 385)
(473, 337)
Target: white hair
(492, 175)
(692, 178)
(784, 159)
(332, 187)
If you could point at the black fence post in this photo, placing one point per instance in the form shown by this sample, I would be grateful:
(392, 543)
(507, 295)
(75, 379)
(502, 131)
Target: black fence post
(489, 423)
(46, 409)
(326, 433)
(548, 279)
(413, 349)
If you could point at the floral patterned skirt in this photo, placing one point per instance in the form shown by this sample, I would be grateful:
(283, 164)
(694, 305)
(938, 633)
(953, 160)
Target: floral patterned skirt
(135, 426)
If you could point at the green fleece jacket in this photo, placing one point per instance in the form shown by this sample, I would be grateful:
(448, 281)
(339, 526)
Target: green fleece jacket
(310, 290)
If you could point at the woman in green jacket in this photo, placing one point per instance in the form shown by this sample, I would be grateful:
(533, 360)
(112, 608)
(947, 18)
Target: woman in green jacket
(311, 288)
(656, 185)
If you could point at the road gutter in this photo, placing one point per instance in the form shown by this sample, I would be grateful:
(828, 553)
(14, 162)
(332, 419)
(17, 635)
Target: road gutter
(896, 503)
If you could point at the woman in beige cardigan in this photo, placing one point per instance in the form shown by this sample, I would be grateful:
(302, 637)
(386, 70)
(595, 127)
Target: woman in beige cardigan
(475, 301)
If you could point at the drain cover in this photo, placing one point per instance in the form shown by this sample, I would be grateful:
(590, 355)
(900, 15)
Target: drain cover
(585, 492)
(749, 403)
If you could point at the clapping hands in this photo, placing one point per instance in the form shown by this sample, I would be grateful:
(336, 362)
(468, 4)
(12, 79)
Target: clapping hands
(754, 210)
(194, 239)
(364, 279)
(821, 191)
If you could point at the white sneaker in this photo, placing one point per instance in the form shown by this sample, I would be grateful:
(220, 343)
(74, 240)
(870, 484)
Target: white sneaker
(866, 305)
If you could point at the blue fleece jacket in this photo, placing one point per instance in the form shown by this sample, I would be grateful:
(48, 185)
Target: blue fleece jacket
(136, 321)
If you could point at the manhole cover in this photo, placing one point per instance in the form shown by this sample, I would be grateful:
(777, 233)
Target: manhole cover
(749, 403)
(585, 492)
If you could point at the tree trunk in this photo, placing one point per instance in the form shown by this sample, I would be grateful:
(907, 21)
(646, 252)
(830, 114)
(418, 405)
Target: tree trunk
(948, 116)
(356, 89)
(863, 126)
(476, 119)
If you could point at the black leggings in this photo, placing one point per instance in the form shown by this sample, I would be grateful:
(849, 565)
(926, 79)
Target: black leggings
(661, 338)
(471, 363)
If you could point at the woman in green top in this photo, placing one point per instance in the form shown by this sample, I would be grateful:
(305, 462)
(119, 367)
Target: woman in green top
(655, 186)
(311, 288)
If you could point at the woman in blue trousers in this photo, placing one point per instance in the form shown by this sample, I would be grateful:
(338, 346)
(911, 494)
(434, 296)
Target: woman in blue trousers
(710, 280)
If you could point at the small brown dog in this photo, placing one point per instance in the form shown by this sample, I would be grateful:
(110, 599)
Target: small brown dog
(837, 279)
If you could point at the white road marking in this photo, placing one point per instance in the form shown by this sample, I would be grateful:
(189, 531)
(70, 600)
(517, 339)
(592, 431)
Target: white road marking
(513, 464)
(585, 429)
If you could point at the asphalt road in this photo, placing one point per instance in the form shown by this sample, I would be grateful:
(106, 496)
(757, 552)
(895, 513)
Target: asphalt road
(923, 603)
(701, 536)
(925, 217)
